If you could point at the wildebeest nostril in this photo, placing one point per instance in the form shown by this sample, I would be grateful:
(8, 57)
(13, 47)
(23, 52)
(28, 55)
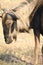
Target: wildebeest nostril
(8, 40)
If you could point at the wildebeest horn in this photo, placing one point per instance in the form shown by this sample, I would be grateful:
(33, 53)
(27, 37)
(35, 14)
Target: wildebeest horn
(18, 17)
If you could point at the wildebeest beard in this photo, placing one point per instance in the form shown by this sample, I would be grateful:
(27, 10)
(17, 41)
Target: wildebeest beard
(9, 22)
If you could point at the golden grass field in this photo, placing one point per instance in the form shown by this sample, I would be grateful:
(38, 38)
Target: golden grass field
(20, 52)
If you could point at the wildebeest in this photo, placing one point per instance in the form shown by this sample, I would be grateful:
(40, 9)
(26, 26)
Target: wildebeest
(21, 20)
(36, 22)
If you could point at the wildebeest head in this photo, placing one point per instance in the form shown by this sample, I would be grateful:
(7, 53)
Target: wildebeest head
(9, 22)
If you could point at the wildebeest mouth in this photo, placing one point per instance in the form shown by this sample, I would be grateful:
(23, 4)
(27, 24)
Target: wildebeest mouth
(8, 40)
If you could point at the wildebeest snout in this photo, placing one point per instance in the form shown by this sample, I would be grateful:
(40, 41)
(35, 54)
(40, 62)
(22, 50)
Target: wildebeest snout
(8, 39)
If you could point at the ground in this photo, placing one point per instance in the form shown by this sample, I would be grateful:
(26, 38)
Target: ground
(20, 52)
